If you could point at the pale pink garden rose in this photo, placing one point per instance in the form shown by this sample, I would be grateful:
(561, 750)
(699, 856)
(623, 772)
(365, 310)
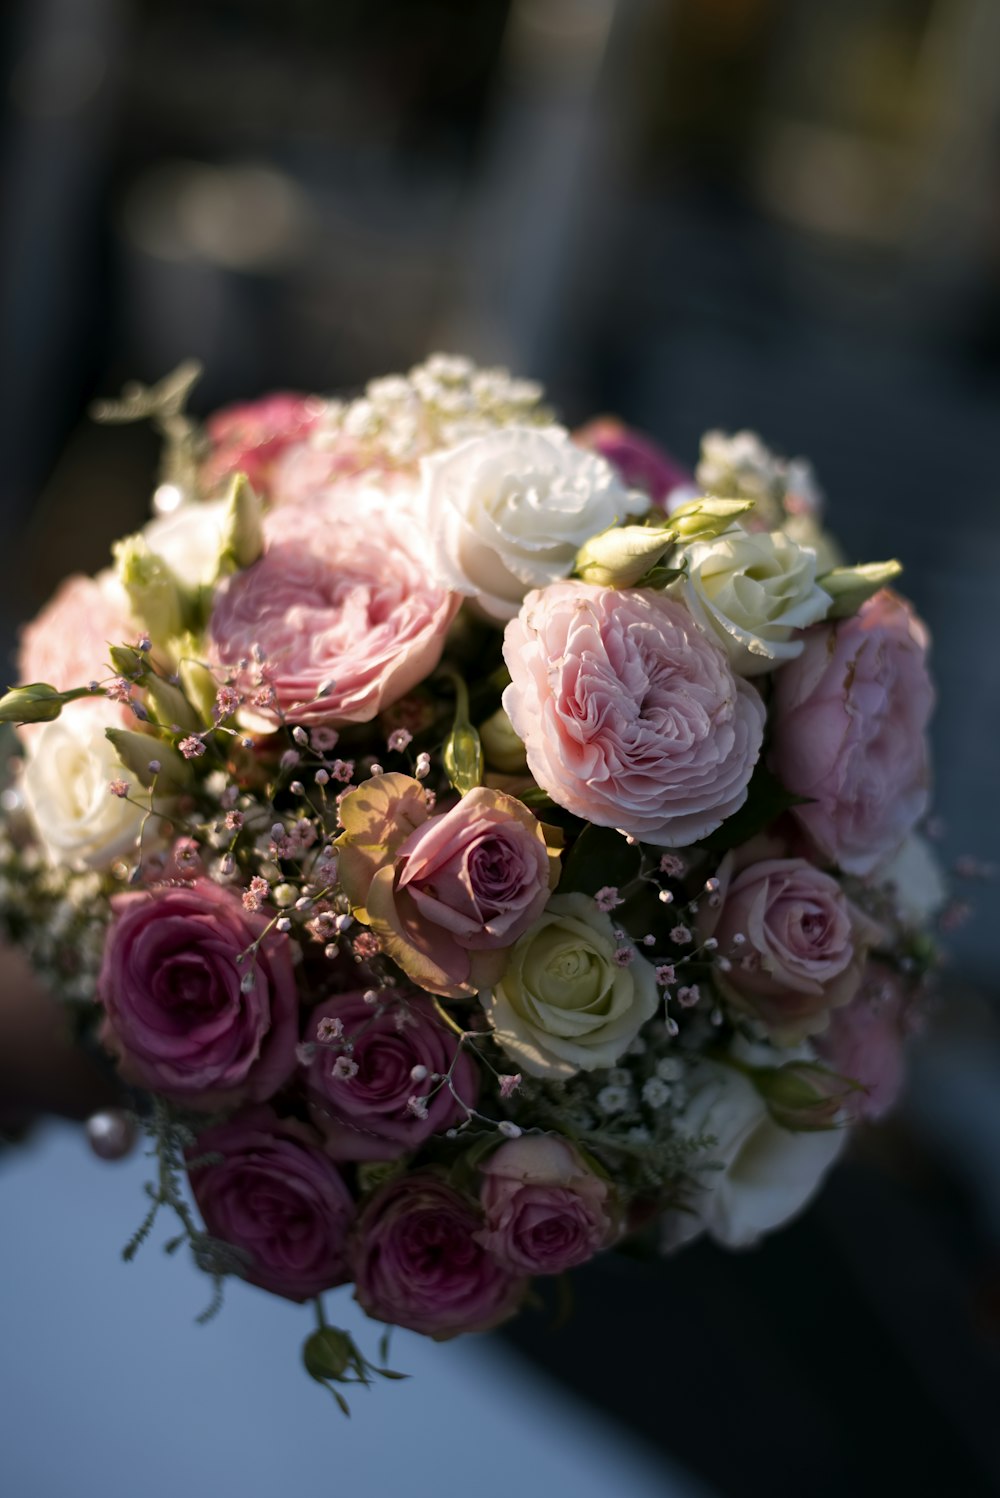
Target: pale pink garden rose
(631, 717)
(275, 1196)
(372, 1107)
(850, 718)
(639, 461)
(340, 609)
(66, 644)
(417, 1263)
(803, 943)
(446, 895)
(251, 438)
(865, 1042)
(546, 1211)
(185, 1013)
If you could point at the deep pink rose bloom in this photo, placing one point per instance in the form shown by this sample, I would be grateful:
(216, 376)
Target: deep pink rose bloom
(277, 1197)
(850, 715)
(640, 462)
(172, 989)
(631, 717)
(804, 943)
(865, 1042)
(446, 895)
(416, 1262)
(250, 438)
(366, 1116)
(546, 1211)
(342, 609)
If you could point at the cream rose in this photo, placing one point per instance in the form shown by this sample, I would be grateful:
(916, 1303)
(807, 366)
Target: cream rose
(572, 997)
(757, 1174)
(753, 592)
(190, 541)
(508, 511)
(69, 768)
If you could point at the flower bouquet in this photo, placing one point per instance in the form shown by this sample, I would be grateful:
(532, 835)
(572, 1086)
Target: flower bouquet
(475, 844)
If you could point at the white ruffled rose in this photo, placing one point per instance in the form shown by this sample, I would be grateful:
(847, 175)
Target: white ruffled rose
(190, 541)
(69, 767)
(753, 591)
(757, 1175)
(564, 1004)
(917, 880)
(508, 511)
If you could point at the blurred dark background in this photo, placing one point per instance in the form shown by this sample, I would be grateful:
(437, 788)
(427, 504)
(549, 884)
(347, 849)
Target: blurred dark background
(781, 214)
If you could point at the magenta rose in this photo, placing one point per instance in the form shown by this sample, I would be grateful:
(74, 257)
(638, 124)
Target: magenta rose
(865, 1041)
(803, 944)
(546, 1211)
(416, 1261)
(850, 715)
(250, 438)
(184, 1015)
(341, 609)
(631, 717)
(361, 1096)
(277, 1197)
(446, 895)
(639, 461)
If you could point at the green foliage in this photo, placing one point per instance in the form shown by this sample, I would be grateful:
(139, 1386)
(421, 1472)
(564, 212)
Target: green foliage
(767, 799)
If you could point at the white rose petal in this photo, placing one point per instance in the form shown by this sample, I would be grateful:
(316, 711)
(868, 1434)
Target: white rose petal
(190, 540)
(753, 591)
(764, 1174)
(69, 767)
(508, 511)
(917, 881)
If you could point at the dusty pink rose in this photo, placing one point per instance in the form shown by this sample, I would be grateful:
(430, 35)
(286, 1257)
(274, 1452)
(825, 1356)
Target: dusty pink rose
(865, 1041)
(341, 609)
(275, 1196)
(640, 462)
(446, 895)
(184, 1016)
(803, 943)
(631, 717)
(369, 1113)
(850, 715)
(546, 1211)
(416, 1262)
(66, 644)
(250, 438)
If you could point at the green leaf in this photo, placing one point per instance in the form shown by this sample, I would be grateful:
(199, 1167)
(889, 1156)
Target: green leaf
(767, 799)
(600, 856)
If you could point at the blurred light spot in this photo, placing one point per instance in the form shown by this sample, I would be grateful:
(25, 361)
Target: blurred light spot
(166, 498)
(59, 78)
(11, 799)
(243, 217)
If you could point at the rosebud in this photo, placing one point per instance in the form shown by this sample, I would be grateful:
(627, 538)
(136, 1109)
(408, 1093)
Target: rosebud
(802, 1095)
(623, 554)
(243, 533)
(139, 752)
(127, 661)
(501, 745)
(153, 590)
(327, 1354)
(704, 519)
(850, 587)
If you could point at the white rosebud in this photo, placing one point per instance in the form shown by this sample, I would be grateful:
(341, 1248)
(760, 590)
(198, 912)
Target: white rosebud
(190, 541)
(753, 592)
(508, 511)
(69, 767)
(756, 1174)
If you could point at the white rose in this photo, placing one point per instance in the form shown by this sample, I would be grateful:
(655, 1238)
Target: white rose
(508, 511)
(69, 768)
(757, 1175)
(753, 590)
(917, 881)
(190, 541)
(564, 1004)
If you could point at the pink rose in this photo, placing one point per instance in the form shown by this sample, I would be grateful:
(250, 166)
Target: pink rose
(803, 943)
(640, 462)
(416, 1261)
(360, 1097)
(275, 1196)
(341, 609)
(185, 1013)
(66, 644)
(631, 717)
(545, 1210)
(250, 438)
(864, 1042)
(849, 719)
(446, 895)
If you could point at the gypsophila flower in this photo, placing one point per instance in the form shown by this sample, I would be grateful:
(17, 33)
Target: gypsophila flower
(417, 1106)
(400, 739)
(509, 1129)
(509, 1083)
(669, 1069)
(324, 739)
(191, 747)
(119, 689)
(665, 974)
(119, 788)
(423, 767)
(608, 898)
(227, 700)
(233, 821)
(623, 956)
(681, 935)
(344, 1069)
(366, 946)
(688, 996)
(614, 1099)
(672, 865)
(343, 770)
(254, 897)
(655, 1092)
